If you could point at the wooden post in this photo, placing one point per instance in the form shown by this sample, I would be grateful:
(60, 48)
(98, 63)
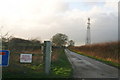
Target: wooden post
(47, 53)
(42, 49)
(42, 52)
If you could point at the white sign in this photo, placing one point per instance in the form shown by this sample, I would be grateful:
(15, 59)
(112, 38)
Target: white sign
(26, 58)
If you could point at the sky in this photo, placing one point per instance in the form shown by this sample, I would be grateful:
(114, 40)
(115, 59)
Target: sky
(41, 19)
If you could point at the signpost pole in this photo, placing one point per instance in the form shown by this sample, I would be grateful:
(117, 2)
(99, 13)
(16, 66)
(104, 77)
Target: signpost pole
(47, 53)
(0, 60)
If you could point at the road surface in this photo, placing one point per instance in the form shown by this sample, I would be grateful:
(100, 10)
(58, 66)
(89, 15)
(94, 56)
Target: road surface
(85, 67)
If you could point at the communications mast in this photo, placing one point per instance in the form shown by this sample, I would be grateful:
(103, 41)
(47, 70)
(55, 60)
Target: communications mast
(88, 38)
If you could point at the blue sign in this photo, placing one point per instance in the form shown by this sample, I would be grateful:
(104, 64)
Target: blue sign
(4, 57)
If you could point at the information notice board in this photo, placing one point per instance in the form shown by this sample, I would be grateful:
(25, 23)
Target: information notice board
(25, 58)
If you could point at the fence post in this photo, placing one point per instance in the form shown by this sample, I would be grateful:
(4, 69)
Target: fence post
(42, 49)
(47, 57)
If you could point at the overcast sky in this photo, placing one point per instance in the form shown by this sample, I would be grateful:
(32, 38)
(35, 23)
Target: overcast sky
(42, 19)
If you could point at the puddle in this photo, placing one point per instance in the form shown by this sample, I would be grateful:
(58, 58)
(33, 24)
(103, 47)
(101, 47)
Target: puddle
(79, 59)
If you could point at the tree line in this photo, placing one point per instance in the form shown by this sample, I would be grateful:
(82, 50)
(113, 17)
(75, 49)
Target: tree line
(18, 44)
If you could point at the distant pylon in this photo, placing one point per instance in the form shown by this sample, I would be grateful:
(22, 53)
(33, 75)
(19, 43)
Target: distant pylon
(88, 38)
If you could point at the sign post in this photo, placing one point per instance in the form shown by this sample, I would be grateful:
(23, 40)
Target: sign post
(0, 60)
(47, 56)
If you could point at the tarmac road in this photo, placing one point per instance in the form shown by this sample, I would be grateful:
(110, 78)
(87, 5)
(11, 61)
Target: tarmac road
(85, 67)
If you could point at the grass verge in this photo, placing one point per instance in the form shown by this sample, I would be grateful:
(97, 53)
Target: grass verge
(99, 59)
(61, 67)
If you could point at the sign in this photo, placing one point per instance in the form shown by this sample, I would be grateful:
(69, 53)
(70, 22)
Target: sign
(4, 57)
(26, 58)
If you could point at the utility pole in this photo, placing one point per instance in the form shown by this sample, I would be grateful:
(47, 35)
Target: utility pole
(88, 38)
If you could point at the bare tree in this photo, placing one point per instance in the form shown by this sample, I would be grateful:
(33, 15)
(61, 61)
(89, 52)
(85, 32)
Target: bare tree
(4, 39)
